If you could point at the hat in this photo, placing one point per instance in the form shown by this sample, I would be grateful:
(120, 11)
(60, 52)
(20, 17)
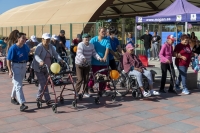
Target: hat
(54, 37)
(129, 46)
(62, 31)
(46, 36)
(78, 36)
(171, 37)
(33, 38)
(86, 35)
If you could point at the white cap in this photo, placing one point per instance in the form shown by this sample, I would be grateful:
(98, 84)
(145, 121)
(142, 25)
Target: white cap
(33, 38)
(46, 36)
(54, 37)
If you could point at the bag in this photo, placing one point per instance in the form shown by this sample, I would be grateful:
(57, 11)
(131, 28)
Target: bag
(144, 60)
(101, 77)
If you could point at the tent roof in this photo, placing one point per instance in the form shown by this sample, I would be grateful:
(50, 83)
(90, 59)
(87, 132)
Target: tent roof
(179, 11)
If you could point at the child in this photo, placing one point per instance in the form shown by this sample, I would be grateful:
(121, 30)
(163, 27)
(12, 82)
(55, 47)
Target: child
(85, 51)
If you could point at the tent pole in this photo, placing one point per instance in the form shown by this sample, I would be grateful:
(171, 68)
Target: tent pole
(135, 38)
(186, 23)
(176, 34)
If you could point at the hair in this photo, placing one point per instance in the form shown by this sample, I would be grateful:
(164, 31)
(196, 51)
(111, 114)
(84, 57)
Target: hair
(192, 36)
(101, 28)
(12, 39)
(155, 32)
(20, 34)
(113, 30)
(5, 38)
(184, 36)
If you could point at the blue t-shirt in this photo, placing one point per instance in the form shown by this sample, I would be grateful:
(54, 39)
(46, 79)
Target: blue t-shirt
(179, 34)
(131, 40)
(114, 44)
(100, 48)
(3, 44)
(17, 54)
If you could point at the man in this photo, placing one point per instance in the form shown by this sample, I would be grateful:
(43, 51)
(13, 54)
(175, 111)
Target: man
(75, 42)
(146, 38)
(61, 37)
(155, 46)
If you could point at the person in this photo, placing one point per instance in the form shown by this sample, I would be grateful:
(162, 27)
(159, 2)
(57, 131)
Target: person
(155, 45)
(193, 37)
(43, 55)
(183, 54)
(2, 60)
(83, 58)
(18, 55)
(3, 44)
(102, 46)
(177, 35)
(130, 39)
(75, 42)
(114, 42)
(165, 55)
(32, 42)
(146, 38)
(133, 66)
(12, 39)
(196, 48)
(61, 37)
(58, 46)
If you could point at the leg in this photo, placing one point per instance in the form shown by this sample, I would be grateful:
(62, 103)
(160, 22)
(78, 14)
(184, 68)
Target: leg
(148, 53)
(91, 81)
(138, 76)
(172, 73)
(79, 73)
(178, 81)
(86, 78)
(112, 64)
(156, 50)
(73, 63)
(183, 73)
(153, 50)
(164, 76)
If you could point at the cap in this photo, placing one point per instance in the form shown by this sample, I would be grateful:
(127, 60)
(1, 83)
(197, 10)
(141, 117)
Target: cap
(86, 35)
(171, 37)
(46, 36)
(54, 37)
(33, 38)
(62, 31)
(79, 36)
(129, 46)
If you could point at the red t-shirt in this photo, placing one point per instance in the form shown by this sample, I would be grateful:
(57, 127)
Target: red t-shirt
(184, 50)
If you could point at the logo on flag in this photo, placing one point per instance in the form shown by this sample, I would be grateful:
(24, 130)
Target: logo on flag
(140, 19)
(193, 17)
(178, 17)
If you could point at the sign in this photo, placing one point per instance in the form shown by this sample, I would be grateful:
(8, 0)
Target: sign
(140, 19)
(178, 17)
(193, 17)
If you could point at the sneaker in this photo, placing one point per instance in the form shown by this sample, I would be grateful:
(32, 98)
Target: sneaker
(177, 88)
(87, 95)
(162, 91)
(14, 101)
(91, 90)
(185, 91)
(154, 92)
(171, 91)
(23, 107)
(107, 88)
(146, 94)
(158, 59)
(149, 59)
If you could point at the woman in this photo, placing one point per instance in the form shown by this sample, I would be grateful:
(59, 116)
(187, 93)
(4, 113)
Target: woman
(43, 55)
(12, 39)
(165, 55)
(133, 66)
(196, 48)
(183, 58)
(130, 39)
(102, 46)
(83, 58)
(18, 55)
(193, 37)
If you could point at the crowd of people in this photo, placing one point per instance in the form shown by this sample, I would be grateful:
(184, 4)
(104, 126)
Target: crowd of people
(97, 53)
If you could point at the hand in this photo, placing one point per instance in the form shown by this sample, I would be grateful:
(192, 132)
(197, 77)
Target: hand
(10, 74)
(167, 61)
(104, 59)
(62, 61)
(100, 59)
(183, 58)
(139, 70)
(84, 60)
(41, 63)
(195, 54)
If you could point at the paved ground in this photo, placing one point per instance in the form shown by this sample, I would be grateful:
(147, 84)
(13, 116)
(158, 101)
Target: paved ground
(167, 113)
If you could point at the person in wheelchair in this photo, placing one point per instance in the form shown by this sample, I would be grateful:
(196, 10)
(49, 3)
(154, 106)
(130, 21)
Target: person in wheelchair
(2, 60)
(133, 66)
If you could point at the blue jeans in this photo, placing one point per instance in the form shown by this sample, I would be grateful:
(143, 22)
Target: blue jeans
(182, 76)
(147, 52)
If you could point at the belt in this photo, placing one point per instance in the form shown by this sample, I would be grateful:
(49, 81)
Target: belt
(19, 62)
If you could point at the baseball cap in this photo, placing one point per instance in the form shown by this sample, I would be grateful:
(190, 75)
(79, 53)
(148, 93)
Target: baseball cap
(171, 37)
(86, 35)
(33, 38)
(54, 37)
(62, 31)
(129, 46)
(46, 36)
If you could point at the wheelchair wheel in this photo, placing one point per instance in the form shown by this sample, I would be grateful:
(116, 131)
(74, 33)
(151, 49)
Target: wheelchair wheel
(122, 85)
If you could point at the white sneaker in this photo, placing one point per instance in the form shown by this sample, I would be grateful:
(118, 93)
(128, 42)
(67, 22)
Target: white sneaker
(153, 59)
(146, 94)
(185, 91)
(158, 59)
(149, 59)
(154, 92)
(87, 95)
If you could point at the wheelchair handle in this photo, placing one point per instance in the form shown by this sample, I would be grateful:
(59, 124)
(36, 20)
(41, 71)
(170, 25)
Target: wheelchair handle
(44, 66)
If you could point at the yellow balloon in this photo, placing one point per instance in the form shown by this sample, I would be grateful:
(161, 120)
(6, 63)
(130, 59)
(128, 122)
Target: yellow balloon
(55, 68)
(75, 49)
(114, 74)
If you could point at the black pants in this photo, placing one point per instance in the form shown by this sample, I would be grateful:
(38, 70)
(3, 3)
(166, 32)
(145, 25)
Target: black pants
(164, 68)
(112, 64)
(73, 63)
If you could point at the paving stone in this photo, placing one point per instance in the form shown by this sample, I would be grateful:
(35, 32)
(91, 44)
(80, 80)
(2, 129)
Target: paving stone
(172, 108)
(145, 114)
(182, 126)
(177, 116)
(147, 124)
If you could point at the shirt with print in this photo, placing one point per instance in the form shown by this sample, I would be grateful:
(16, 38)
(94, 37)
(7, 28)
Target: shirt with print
(17, 54)
(114, 44)
(155, 39)
(184, 50)
(100, 47)
(131, 41)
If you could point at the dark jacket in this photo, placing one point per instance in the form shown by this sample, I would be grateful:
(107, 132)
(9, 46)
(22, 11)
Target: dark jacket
(147, 40)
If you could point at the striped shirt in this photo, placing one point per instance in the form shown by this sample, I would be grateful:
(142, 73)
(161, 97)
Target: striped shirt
(85, 52)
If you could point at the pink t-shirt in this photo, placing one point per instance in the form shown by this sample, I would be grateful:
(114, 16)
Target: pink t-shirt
(166, 53)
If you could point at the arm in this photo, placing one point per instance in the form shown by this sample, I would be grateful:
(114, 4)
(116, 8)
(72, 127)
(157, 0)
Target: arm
(95, 55)
(106, 54)
(161, 54)
(55, 54)
(37, 54)
(120, 49)
(142, 38)
(80, 51)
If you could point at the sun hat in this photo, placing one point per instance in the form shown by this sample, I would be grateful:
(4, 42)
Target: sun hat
(86, 35)
(46, 36)
(33, 38)
(129, 46)
(54, 37)
(171, 37)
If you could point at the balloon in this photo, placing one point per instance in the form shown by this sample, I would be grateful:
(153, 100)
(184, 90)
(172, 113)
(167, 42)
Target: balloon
(75, 49)
(139, 27)
(189, 26)
(114, 74)
(55, 68)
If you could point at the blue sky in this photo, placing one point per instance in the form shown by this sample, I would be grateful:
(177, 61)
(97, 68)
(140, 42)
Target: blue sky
(9, 4)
